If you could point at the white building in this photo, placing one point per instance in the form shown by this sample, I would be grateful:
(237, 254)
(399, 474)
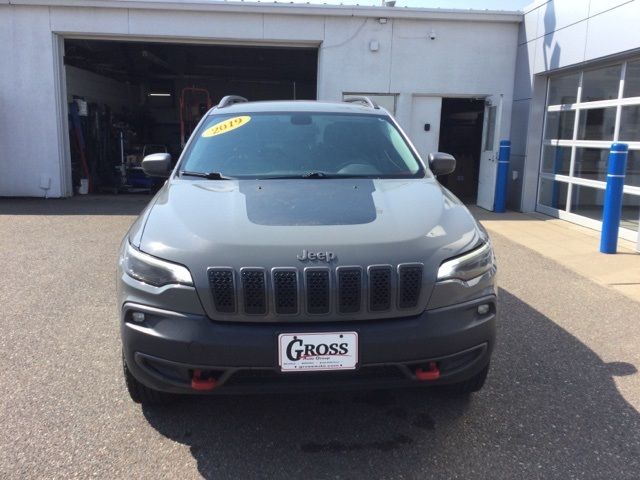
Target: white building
(457, 80)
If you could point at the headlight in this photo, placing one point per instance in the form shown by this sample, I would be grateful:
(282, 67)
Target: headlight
(468, 266)
(152, 270)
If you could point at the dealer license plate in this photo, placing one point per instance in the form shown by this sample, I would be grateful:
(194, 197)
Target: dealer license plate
(304, 352)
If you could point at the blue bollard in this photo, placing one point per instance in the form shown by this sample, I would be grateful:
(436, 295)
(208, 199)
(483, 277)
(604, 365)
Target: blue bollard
(555, 189)
(502, 177)
(612, 207)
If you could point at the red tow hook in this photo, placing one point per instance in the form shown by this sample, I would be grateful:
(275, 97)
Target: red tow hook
(203, 384)
(432, 374)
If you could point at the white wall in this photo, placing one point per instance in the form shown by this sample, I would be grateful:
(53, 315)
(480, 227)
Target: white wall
(29, 136)
(423, 110)
(559, 34)
(465, 59)
(473, 54)
(97, 88)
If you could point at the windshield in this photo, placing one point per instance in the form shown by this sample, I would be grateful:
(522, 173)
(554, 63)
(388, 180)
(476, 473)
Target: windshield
(300, 145)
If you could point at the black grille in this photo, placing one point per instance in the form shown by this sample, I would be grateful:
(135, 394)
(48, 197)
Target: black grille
(223, 290)
(253, 291)
(285, 286)
(349, 289)
(409, 286)
(317, 291)
(379, 288)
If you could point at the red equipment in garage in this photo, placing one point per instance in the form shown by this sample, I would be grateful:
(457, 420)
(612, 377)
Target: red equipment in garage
(192, 103)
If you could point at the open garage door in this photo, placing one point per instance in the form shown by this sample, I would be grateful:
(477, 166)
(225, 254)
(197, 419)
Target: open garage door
(129, 99)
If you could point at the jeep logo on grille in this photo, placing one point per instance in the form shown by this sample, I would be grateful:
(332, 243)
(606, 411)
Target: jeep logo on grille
(313, 256)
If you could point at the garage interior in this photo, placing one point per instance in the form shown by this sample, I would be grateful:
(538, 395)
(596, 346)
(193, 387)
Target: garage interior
(129, 99)
(461, 123)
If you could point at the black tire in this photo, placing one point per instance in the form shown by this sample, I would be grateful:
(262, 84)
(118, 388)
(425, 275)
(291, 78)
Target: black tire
(142, 394)
(473, 384)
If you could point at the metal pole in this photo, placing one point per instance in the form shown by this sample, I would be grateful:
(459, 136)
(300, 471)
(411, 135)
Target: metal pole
(123, 166)
(502, 177)
(612, 208)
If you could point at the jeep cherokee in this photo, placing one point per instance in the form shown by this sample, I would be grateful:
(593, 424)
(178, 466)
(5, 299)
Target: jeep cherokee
(303, 245)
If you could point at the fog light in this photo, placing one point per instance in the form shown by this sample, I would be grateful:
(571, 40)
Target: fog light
(483, 309)
(138, 317)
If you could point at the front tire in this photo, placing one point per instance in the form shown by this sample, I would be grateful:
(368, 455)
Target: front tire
(140, 393)
(471, 385)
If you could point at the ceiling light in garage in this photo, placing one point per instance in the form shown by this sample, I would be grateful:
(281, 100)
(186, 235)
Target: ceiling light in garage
(159, 94)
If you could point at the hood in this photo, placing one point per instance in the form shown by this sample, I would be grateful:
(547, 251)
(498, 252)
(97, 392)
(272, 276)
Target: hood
(268, 223)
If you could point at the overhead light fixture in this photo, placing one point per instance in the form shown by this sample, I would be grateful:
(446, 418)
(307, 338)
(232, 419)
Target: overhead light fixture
(152, 94)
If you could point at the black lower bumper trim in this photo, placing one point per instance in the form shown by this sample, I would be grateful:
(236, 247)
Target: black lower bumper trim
(167, 347)
(178, 375)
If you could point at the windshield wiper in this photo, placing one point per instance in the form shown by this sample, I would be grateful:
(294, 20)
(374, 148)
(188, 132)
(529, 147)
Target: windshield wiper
(315, 175)
(207, 175)
(296, 176)
(311, 175)
(332, 175)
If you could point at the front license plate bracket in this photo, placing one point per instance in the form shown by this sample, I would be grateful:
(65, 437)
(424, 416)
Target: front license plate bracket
(317, 351)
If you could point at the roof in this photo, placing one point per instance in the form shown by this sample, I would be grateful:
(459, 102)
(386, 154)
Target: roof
(297, 106)
(284, 8)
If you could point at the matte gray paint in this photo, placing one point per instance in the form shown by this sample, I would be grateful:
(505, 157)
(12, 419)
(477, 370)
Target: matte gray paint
(267, 223)
(205, 223)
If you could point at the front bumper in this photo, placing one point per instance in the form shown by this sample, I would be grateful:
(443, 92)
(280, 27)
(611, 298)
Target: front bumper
(165, 350)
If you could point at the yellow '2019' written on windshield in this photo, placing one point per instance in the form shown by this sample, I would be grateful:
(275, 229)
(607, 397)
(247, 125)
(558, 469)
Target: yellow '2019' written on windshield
(226, 126)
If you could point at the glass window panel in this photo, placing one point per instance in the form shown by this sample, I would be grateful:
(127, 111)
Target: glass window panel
(601, 84)
(630, 124)
(630, 211)
(597, 124)
(632, 80)
(489, 139)
(587, 201)
(553, 193)
(632, 176)
(591, 163)
(559, 125)
(563, 89)
(556, 160)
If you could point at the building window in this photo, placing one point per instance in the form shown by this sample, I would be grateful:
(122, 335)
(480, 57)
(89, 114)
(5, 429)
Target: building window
(586, 112)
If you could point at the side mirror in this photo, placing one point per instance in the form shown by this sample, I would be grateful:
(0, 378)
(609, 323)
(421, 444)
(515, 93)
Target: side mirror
(441, 163)
(157, 165)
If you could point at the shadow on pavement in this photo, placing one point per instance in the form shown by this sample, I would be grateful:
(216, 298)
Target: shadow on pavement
(123, 204)
(550, 409)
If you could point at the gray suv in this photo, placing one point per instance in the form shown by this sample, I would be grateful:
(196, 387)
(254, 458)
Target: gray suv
(301, 246)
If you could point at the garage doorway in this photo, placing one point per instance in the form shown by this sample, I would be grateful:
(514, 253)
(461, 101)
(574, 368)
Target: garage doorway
(461, 123)
(127, 99)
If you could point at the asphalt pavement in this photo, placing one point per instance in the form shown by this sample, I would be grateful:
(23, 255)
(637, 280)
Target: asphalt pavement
(561, 400)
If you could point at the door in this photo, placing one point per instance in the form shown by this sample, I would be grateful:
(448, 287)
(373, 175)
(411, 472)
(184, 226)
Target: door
(425, 125)
(461, 135)
(489, 154)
